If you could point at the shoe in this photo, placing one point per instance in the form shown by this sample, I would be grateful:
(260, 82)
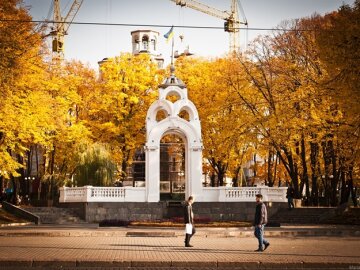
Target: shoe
(266, 246)
(259, 250)
(188, 246)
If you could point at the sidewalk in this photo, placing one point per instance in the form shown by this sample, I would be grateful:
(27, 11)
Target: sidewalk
(78, 230)
(91, 247)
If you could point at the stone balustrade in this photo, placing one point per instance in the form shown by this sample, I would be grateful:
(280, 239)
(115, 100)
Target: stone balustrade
(138, 194)
(102, 194)
(244, 194)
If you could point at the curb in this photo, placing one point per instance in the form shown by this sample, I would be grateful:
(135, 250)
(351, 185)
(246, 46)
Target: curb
(180, 233)
(81, 264)
(16, 224)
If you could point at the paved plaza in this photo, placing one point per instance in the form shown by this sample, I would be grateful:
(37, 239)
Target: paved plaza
(150, 248)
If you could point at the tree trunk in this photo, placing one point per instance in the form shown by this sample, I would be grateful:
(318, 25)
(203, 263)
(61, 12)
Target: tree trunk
(291, 168)
(270, 181)
(212, 179)
(314, 153)
(1, 185)
(335, 175)
(52, 180)
(342, 177)
(235, 179)
(352, 189)
(220, 170)
(123, 175)
(255, 167)
(305, 176)
(21, 179)
(275, 169)
(221, 173)
(15, 191)
(43, 168)
(327, 163)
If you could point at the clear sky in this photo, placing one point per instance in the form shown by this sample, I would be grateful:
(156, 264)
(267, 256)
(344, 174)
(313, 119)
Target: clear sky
(91, 43)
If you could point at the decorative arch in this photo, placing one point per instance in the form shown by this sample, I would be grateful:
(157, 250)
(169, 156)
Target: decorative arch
(186, 105)
(145, 42)
(189, 131)
(184, 114)
(161, 115)
(158, 105)
(172, 90)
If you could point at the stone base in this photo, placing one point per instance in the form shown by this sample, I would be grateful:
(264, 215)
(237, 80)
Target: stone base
(94, 212)
(232, 211)
(151, 211)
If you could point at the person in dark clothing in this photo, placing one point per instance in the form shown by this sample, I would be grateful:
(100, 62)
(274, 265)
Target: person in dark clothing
(260, 222)
(189, 221)
(290, 196)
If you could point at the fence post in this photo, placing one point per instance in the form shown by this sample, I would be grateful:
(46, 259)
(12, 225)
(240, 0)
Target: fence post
(62, 197)
(222, 194)
(88, 193)
(264, 193)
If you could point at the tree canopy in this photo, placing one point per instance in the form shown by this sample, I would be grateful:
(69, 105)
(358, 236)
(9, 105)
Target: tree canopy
(287, 108)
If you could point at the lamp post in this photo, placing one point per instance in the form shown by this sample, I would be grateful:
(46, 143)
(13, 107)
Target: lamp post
(181, 181)
(28, 181)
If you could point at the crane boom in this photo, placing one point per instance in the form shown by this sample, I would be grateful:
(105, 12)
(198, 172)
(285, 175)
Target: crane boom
(71, 14)
(61, 26)
(203, 8)
(232, 21)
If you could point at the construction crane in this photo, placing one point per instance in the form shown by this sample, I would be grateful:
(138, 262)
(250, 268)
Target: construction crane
(232, 22)
(61, 26)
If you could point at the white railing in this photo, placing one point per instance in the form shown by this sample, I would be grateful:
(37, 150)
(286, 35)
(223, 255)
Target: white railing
(74, 194)
(138, 194)
(102, 194)
(244, 194)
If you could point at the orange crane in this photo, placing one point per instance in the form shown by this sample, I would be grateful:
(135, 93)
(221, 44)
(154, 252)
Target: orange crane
(232, 22)
(61, 26)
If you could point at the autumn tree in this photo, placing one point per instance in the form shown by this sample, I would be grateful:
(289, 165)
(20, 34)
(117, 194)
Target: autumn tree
(66, 86)
(298, 121)
(117, 111)
(24, 118)
(223, 123)
(338, 40)
(38, 105)
(285, 73)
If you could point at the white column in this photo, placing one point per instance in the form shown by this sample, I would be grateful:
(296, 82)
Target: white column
(62, 194)
(195, 173)
(88, 193)
(152, 173)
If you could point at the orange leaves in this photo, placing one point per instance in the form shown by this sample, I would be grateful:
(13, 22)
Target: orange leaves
(223, 121)
(118, 106)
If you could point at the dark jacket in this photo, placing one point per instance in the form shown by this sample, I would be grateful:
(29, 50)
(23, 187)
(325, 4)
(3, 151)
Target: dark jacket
(260, 214)
(290, 192)
(188, 213)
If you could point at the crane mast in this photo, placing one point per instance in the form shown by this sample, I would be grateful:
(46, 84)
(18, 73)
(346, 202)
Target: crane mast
(232, 22)
(61, 26)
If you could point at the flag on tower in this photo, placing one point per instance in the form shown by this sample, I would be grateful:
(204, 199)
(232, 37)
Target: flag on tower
(169, 34)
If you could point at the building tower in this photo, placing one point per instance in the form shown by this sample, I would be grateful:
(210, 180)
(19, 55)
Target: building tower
(146, 41)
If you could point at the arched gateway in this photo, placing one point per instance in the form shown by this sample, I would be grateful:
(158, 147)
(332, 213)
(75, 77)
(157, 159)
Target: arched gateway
(189, 130)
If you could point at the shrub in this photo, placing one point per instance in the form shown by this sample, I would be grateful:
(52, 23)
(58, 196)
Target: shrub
(113, 223)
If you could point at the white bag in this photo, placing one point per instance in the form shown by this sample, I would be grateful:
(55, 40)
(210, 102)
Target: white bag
(188, 228)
